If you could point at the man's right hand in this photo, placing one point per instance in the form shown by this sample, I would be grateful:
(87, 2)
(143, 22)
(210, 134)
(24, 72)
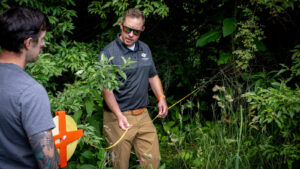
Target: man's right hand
(114, 107)
(123, 123)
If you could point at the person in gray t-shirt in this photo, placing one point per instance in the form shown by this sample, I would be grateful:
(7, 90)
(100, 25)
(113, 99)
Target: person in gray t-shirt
(26, 139)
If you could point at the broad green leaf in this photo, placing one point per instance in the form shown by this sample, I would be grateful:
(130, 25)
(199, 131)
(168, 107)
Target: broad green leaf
(89, 106)
(224, 58)
(4, 5)
(77, 116)
(276, 84)
(124, 60)
(260, 45)
(94, 121)
(208, 37)
(156, 4)
(170, 123)
(162, 166)
(101, 154)
(197, 162)
(87, 154)
(106, 5)
(229, 26)
(122, 74)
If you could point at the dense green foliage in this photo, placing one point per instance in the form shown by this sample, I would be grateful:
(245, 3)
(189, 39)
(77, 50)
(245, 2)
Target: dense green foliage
(244, 56)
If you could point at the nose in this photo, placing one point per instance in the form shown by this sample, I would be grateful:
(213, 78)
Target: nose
(131, 34)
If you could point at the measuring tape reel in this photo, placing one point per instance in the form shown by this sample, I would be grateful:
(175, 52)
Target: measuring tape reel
(65, 136)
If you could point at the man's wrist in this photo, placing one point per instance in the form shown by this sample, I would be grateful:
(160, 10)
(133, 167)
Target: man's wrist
(118, 114)
(162, 96)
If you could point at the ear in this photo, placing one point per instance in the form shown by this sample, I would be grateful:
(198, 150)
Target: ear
(27, 43)
(121, 23)
(143, 28)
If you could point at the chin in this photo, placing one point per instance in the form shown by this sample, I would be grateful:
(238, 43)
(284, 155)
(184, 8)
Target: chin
(130, 43)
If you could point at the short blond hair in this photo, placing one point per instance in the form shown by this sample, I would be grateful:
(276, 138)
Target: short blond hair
(134, 13)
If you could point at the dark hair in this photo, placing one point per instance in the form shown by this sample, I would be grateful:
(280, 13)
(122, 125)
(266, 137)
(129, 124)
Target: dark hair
(19, 24)
(134, 13)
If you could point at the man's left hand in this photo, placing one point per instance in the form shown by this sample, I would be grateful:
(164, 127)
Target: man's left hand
(162, 108)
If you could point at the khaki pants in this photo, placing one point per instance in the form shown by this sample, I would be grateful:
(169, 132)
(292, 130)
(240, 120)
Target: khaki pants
(142, 136)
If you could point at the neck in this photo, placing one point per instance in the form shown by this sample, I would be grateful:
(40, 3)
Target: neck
(13, 57)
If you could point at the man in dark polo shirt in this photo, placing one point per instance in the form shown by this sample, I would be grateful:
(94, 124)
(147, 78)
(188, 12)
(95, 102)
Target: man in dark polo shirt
(126, 109)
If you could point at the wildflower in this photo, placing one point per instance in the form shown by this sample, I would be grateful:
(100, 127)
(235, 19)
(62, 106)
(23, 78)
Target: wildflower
(216, 97)
(222, 89)
(216, 88)
(229, 98)
(79, 72)
(221, 105)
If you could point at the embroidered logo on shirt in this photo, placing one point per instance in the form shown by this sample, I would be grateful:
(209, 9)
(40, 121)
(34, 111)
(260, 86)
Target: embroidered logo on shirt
(144, 57)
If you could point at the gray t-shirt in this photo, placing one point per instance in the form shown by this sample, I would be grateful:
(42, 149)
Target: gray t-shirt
(133, 93)
(24, 111)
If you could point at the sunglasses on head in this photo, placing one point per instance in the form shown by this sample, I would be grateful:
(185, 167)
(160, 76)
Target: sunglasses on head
(128, 30)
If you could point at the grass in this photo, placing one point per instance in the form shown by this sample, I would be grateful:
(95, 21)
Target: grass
(195, 143)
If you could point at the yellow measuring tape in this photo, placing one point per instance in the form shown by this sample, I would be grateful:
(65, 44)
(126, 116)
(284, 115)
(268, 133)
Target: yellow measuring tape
(109, 147)
(179, 101)
(123, 135)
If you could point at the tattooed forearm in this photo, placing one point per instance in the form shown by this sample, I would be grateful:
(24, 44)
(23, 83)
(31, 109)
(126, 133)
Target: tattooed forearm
(44, 150)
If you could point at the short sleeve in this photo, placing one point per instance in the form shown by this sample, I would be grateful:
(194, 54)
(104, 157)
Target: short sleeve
(36, 111)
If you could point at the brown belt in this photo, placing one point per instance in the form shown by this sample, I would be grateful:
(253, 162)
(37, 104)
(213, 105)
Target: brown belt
(136, 111)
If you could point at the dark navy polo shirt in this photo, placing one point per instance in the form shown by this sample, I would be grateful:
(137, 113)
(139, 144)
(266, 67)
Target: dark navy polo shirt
(133, 93)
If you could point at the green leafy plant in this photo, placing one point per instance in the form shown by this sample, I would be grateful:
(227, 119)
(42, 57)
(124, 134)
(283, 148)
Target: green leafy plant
(276, 110)
(102, 8)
